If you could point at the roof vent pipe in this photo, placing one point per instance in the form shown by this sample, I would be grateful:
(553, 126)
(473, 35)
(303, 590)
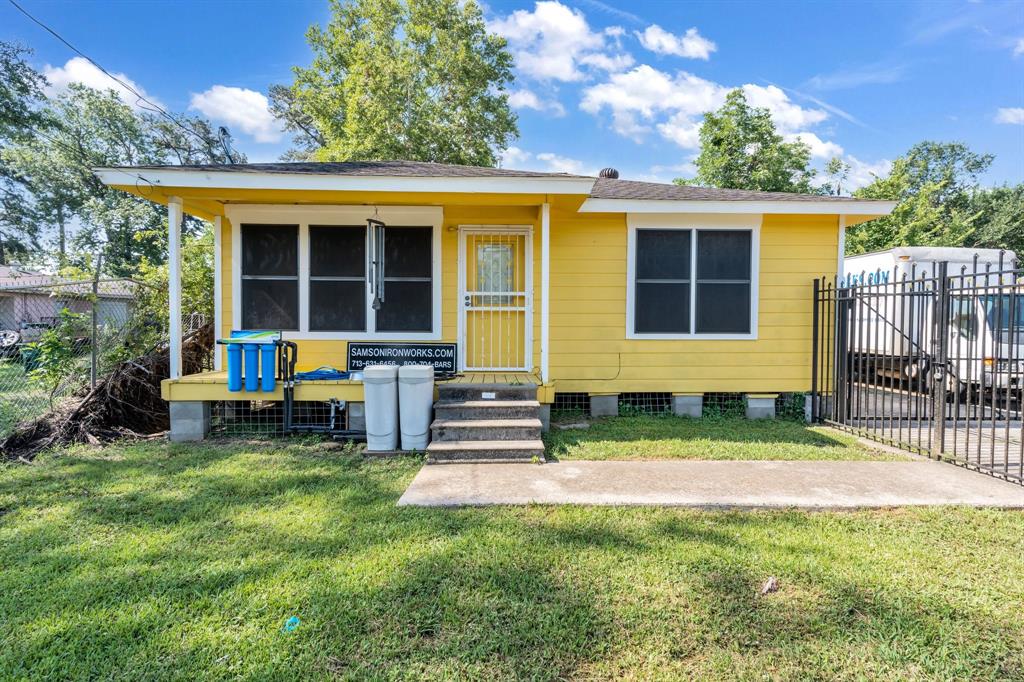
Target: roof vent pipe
(610, 173)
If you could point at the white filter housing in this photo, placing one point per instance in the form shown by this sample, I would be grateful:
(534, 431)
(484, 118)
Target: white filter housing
(416, 404)
(380, 388)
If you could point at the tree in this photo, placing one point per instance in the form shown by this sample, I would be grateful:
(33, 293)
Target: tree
(401, 79)
(740, 149)
(998, 214)
(934, 183)
(21, 91)
(837, 171)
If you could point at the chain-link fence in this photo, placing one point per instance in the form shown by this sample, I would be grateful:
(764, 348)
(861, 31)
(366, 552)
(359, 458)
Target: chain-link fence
(57, 338)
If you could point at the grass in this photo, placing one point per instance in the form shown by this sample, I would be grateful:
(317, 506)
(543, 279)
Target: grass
(669, 437)
(151, 561)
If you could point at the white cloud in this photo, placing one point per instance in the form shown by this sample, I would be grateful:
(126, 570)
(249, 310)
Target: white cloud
(864, 173)
(691, 44)
(644, 99)
(1011, 115)
(551, 42)
(527, 99)
(868, 74)
(820, 149)
(1018, 47)
(81, 70)
(549, 162)
(245, 109)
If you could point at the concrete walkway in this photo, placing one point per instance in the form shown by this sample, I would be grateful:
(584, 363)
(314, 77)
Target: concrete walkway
(725, 484)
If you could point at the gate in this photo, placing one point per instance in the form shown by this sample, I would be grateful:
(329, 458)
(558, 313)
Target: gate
(930, 360)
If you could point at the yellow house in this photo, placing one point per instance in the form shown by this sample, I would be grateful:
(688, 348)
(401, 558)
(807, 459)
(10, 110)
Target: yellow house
(589, 288)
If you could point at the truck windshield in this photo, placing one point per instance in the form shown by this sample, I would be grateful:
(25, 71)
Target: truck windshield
(1004, 309)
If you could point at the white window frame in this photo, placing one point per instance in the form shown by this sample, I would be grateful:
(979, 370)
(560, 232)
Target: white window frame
(304, 216)
(693, 222)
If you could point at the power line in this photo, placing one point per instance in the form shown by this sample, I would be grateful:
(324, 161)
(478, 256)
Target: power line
(141, 98)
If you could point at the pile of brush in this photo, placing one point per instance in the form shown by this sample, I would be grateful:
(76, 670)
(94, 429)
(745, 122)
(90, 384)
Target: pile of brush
(125, 403)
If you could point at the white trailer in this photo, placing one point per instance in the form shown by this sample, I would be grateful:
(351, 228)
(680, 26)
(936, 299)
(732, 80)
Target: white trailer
(892, 306)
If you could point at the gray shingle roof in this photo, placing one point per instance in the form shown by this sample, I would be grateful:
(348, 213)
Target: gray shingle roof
(417, 169)
(606, 188)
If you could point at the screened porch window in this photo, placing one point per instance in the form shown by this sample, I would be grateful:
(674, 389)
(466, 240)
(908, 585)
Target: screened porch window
(337, 278)
(691, 282)
(270, 277)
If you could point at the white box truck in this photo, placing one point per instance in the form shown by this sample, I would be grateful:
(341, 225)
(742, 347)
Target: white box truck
(892, 304)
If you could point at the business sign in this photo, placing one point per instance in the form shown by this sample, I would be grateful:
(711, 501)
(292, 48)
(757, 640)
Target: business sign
(441, 355)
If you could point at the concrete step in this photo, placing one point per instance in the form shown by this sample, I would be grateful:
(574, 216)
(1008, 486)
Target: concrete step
(451, 392)
(487, 409)
(485, 429)
(485, 451)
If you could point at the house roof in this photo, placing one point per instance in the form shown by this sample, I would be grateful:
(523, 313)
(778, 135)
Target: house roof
(603, 194)
(408, 169)
(20, 280)
(607, 188)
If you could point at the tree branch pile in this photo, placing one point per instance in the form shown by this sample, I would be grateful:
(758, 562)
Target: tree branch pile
(125, 403)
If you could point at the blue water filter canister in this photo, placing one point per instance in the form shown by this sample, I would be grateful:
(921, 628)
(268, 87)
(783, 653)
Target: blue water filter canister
(234, 367)
(252, 366)
(268, 359)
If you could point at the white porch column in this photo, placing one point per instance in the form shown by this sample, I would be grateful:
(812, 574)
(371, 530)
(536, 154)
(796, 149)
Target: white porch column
(545, 290)
(218, 293)
(174, 215)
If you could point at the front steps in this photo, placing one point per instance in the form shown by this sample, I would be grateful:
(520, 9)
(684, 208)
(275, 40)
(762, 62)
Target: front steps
(486, 423)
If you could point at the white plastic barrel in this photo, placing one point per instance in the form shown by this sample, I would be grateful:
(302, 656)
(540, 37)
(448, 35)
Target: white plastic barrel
(415, 404)
(380, 391)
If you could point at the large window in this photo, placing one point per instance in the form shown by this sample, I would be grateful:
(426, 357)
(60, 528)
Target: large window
(270, 277)
(337, 278)
(692, 282)
(332, 276)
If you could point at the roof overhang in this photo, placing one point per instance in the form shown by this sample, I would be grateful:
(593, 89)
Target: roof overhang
(171, 177)
(853, 207)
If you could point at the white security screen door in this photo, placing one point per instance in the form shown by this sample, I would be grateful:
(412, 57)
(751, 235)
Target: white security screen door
(496, 298)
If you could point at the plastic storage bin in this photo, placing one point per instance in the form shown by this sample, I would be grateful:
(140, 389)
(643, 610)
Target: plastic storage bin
(380, 389)
(415, 404)
(234, 367)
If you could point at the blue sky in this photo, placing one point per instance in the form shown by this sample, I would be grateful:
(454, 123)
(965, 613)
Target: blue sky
(599, 85)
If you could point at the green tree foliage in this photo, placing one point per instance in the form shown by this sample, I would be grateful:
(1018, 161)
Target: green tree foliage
(740, 149)
(836, 171)
(935, 184)
(21, 91)
(401, 79)
(998, 216)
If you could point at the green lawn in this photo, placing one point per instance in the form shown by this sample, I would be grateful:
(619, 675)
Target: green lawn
(668, 437)
(158, 562)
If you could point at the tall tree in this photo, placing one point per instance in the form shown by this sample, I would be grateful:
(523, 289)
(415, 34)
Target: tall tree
(998, 214)
(934, 183)
(21, 93)
(740, 149)
(401, 79)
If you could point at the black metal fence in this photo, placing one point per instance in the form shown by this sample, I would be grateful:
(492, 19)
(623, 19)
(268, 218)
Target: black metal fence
(929, 358)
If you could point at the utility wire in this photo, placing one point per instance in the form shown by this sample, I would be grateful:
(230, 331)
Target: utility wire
(156, 108)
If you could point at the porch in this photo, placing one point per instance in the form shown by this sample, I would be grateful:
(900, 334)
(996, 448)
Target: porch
(213, 387)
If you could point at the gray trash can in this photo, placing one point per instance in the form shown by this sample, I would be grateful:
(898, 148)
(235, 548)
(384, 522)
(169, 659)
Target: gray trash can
(380, 391)
(415, 404)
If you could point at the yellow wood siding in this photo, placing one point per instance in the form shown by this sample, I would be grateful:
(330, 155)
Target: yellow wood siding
(589, 349)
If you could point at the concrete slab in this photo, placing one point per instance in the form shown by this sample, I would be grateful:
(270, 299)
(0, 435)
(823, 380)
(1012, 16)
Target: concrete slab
(712, 485)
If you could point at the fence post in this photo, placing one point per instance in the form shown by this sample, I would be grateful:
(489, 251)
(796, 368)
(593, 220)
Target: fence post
(93, 338)
(814, 352)
(940, 357)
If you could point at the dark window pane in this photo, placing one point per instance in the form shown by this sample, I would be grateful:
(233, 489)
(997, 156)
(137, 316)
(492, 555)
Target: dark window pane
(337, 306)
(337, 251)
(406, 308)
(663, 254)
(723, 254)
(270, 304)
(407, 251)
(723, 308)
(662, 309)
(270, 250)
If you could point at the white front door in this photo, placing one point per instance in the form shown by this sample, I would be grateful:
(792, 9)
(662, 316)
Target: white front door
(496, 298)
